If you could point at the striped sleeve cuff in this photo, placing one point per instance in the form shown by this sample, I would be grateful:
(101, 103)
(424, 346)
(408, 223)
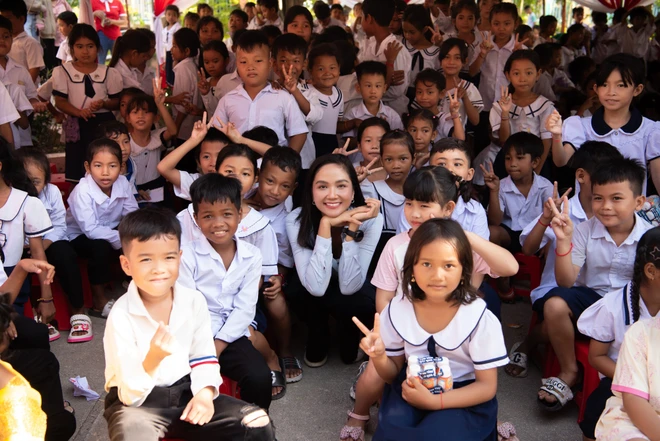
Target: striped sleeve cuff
(210, 359)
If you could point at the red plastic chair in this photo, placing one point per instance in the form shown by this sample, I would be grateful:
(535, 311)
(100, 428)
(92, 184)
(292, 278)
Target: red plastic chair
(530, 269)
(590, 378)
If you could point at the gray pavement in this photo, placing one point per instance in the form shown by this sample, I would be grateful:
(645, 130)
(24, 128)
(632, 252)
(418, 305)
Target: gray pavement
(315, 408)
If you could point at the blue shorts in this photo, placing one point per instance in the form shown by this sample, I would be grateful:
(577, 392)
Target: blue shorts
(578, 298)
(260, 322)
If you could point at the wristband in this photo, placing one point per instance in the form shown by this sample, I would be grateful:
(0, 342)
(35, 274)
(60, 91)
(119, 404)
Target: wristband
(504, 119)
(567, 253)
(546, 226)
(42, 300)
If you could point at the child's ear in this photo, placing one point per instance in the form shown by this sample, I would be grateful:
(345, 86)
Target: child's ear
(357, 87)
(639, 202)
(579, 175)
(449, 208)
(535, 163)
(638, 89)
(650, 271)
(125, 264)
(470, 174)
(86, 167)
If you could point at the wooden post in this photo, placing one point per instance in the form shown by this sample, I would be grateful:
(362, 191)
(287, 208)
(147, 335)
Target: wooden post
(563, 16)
(128, 16)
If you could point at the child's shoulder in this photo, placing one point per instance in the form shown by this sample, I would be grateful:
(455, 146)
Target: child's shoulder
(253, 223)
(542, 183)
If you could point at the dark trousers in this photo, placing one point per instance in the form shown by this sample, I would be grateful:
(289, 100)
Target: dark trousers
(31, 335)
(63, 257)
(23, 294)
(76, 152)
(241, 362)
(160, 415)
(99, 255)
(42, 370)
(50, 52)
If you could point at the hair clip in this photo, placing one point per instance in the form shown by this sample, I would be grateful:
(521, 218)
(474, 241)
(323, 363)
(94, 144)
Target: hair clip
(655, 253)
(435, 117)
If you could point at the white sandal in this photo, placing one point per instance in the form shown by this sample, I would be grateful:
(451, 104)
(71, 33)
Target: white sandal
(518, 359)
(80, 323)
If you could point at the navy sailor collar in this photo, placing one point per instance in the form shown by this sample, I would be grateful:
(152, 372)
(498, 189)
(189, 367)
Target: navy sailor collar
(601, 128)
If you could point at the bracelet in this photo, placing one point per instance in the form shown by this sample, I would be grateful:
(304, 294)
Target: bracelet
(455, 115)
(546, 226)
(42, 300)
(567, 253)
(389, 64)
(504, 119)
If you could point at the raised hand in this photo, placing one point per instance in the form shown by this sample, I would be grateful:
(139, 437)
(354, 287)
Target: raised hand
(555, 201)
(228, 129)
(392, 51)
(364, 171)
(159, 93)
(344, 150)
(486, 43)
(460, 89)
(518, 45)
(421, 158)
(374, 208)
(203, 85)
(490, 178)
(436, 35)
(505, 101)
(162, 344)
(454, 104)
(371, 343)
(553, 123)
(200, 129)
(290, 81)
(561, 222)
(180, 99)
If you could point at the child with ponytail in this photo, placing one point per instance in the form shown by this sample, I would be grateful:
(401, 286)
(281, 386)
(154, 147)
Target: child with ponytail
(130, 52)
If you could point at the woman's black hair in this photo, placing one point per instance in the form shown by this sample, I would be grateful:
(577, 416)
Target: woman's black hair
(374, 121)
(450, 44)
(430, 231)
(470, 5)
(431, 184)
(217, 46)
(630, 67)
(132, 40)
(423, 114)
(400, 137)
(211, 19)
(419, 17)
(102, 144)
(310, 216)
(12, 171)
(187, 39)
(142, 101)
(32, 155)
(83, 30)
(295, 11)
(241, 150)
(465, 187)
(648, 251)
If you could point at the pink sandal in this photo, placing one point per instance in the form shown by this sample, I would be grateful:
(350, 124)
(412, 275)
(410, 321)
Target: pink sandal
(353, 433)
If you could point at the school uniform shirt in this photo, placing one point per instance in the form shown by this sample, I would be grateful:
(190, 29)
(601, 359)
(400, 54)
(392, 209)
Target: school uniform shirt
(277, 217)
(333, 111)
(127, 340)
(22, 137)
(255, 229)
(395, 96)
(190, 231)
(653, 52)
(128, 77)
(22, 216)
(319, 28)
(316, 267)
(254, 25)
(272, 108)
(351, 97)
(316, 114)
(231, 293)
(486, 155)
(27, 52)
(146, 161)
(530, 119)
(473, 95)
(146, 79)
(492, 73)
(421, 59)
(96, 215)
(8, 113)
(64, 52)
(519, 210)
(226, 84)
(637, 43)
(569, 54)
(637, 139)
(168, 35)
(69, 83)
(185, 181)
(211, 99)
(548, 280)
(391, 203)
(185, 80)
(543, 86)
(605, 266)
(384, 112)
(472, 341)
(51, 198)
(130, 175)
(474, 48)
(442, 21)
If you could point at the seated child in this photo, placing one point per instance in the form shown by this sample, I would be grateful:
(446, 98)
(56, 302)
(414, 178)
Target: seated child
(161, 370)
(553, 81)
(219, 259)
(190, 20)
(367, 160)
(96, 205)
(238, 20)
(266, 14)
(453, 56)
(573, 45)
(118, 132)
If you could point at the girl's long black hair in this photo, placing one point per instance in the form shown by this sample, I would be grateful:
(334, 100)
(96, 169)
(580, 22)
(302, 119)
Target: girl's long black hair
(648, 251)
(13, 171)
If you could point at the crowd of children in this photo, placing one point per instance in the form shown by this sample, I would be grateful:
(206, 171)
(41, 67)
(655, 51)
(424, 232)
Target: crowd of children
(382, 170)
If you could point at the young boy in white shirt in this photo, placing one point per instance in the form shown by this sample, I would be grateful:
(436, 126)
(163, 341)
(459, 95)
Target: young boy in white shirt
(173, 25)
(65, 22)
(255, 102)
(25, 50)
(267, 14)
(161, 372)
(592, 259)
(227, 271)
(377, 17)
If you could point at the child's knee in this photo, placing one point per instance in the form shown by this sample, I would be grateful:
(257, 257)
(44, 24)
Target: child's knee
(555, 306)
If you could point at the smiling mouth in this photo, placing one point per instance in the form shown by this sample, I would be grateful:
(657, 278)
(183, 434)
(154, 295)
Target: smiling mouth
(220, 234)
(332, 204)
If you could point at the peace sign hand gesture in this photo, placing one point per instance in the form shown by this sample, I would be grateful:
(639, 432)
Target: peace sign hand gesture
(546, 217)
(344, 150)
(505, 101)
(486, 43)
(436, 36)
(553, 123)
(159, 93)
(518, 45)
(290, 82)
(203, 85)
(561, 222)
(454, 104)
(200, 128)
(371, 343)
(228, 129)
(490, 178)
(460, 89)
(364, 171)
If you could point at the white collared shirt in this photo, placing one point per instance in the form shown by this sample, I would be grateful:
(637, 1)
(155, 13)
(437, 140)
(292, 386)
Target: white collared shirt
(315, 267)
(51, 197)
(22, 137)
(277, 216)
(146, 159)
(473, 95)
(255, 229)
(8, 113)
(20, 217)
(605, 266)
(548, 280)
(333, 111)
(472, 341)
(530, 119)
(395, 96)
(568, 54)
(351, 97)
(128, 77)
(64, 52)
(212, 98)
(637, 43)
(421, 59)
(146, 79)
(16, 74)
(127, 340)
(316, 114)
(231, 293)
(226, 84)
(518, 210)
(27, 52)
(384, 112)
(92, 213)
(391, 203)
(276, 109)
(168, 35)
(185, 80)
(492, 73)
(544, 86)
(253, 25)
(185, 181)
(319, 28)
(470, 215)
(69, 83)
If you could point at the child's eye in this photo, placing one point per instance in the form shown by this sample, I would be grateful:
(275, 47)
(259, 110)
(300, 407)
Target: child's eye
(146, 259)
(449, 266)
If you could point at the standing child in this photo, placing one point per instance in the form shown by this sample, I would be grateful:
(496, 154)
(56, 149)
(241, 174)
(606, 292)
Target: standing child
(26, 51)
(96, 206)
(65, 23)
(635, 39)
(266, 14)
(553, 81)
(454, 54)
(130, 51)
(172, 18)
(238, 20)
(424, 55)
(463, 17)
(215, 57)
(146, 72)
(573, 46)
(298, 20)
(431, 312)
(168, 384)
(87, 92)
(547, 28)
(429, 92)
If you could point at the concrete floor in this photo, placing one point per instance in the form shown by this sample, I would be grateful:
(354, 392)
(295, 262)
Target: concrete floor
(315, 408)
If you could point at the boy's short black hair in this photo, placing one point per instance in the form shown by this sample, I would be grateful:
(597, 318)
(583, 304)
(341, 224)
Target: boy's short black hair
(333, 33)
(250, 5)
(370, 68)
(173, 8)
(432, 76)
(630, 67)
(192, 16)
(250, 40)
(142, 101)
(546, 21)
(263, 134)
(37, 157)
(321, 9)
(187, 39)
(287, 159)
(240, 14)
(291, 43)
(237, 36)
(620, 170)
(217, 46)
(68, 17)
(504, 8)
(638, 12)
(546, 51)
(271, 31)
(374, 121)
(17, 8)
(618, 14)
(112, 129)
(592, 154)
(325, 49)
(598, 17)
(447, 144)
(470, 5)
(578, 9)
(348, 57)
(213, 135)
(208, 20)
(214, 187)
(573, 29)
(5, 23)
(524, 143)
(337, 6)
(381, 10)
(148, 223)
(270, 4)
(201, 6)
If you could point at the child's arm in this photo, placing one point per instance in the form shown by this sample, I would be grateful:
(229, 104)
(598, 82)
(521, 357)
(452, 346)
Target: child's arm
(6, 133)
(561, 152)
(505, 104)
(455, 113)
(235, 136)
(599, 359)
(297, 142)
(372, 344)
(495, 213)
(45, 309)
(24, 267)
(172, 127)
(23, 122)
(565, 271)
(167, 166)
(291, 85)
(642, 415)
(535, 237)
(500, 261)
(485, 47)
(391, 52)
(83, 215)
(344, 126)
(383, 297)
